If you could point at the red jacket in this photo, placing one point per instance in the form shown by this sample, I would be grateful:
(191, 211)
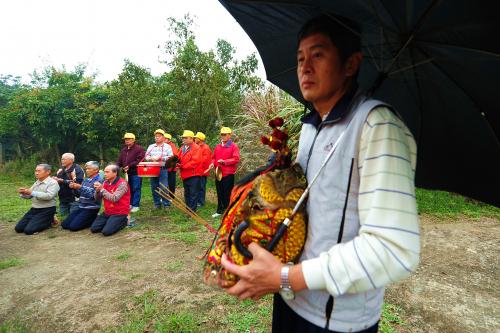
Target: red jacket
(175, 151)
(230, 153)
(122, 206)
(190, 161)
(206, 154)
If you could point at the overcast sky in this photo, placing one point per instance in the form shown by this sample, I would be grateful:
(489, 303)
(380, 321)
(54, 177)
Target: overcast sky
(35, 34)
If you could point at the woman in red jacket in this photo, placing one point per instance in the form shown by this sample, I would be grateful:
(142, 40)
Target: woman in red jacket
(226, 156)
(190, 165)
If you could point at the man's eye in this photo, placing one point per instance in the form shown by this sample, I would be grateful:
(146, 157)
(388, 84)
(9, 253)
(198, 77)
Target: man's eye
(301, 59)
(317, 55)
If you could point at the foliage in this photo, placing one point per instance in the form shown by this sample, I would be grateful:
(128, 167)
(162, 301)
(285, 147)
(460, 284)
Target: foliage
(252, 122)
(67, 110)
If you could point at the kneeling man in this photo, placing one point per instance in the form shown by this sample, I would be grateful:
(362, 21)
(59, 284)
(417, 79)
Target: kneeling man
(116, 196)
(88, 206)
(43, 202)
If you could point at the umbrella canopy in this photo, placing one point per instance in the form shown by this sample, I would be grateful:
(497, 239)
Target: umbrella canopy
(436, 62)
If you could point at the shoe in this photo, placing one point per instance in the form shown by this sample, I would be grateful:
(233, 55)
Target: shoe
(168, 204)
(134, 209)
(216, 215)
(131, 223)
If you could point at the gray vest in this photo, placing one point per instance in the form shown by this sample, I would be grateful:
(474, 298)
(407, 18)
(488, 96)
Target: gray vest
(328, 205)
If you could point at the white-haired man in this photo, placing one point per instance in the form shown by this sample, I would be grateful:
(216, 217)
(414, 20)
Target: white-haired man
(69, 172)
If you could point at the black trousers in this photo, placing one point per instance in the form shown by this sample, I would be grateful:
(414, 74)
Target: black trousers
(286, 320)
(36, 220)
(171, 181)
(108, 224)
(80, 219)
(224, 188)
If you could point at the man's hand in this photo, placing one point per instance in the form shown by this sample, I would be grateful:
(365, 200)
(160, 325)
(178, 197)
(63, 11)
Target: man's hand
(260, 277)
(97, 186)
(25, 191)
(221, 161)
(75, 186)
(57, 179)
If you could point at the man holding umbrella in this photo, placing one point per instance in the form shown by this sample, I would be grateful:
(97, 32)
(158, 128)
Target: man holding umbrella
(363, 230)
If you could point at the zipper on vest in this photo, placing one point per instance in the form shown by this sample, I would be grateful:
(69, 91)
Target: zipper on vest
(331, 301)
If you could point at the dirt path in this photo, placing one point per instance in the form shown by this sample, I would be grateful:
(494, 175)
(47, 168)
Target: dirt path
(73, 282)
(457, 287)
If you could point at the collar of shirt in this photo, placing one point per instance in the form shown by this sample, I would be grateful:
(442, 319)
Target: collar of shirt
(339, 110)
(228, 143)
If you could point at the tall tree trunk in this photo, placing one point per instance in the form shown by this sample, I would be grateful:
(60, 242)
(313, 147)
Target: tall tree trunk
(101, 154)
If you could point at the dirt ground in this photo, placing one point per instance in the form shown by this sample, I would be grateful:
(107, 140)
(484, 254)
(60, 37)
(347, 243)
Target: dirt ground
(73, 282)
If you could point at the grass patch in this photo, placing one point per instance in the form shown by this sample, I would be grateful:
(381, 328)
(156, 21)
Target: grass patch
(124, 255)
(175, 266)
(4, 264)
(391, 319)
(222, 313)
(451, 205)
(13, 326)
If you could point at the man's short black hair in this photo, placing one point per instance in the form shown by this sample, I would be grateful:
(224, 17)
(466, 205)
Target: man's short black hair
(344, 33)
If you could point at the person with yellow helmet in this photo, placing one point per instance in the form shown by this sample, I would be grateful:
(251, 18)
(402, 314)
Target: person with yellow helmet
(159, 152)
(190, 163)
(172, 172)
(226, 156)
(206, 155)
(131, 155)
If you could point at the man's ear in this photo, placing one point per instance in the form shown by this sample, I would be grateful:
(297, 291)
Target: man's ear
(353, 63)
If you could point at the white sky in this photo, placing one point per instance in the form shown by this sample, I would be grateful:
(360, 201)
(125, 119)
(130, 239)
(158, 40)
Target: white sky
(102, 33)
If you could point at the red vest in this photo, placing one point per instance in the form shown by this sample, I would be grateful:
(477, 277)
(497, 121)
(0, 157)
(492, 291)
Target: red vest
(122, 206)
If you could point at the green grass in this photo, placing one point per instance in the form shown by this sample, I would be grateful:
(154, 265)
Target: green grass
(450, 205)
(13, 326)
(391, 319)
(175, 266)
(222, 313)
(10, 263)
(124, 255)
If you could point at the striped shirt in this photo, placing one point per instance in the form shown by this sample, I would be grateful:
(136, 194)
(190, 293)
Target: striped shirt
(387, 214)
(164, 150)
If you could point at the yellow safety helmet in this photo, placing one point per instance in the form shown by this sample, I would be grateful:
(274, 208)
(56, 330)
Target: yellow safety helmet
(129, 136)
(225, 130)
(162, 132)
(200, 136)
(168, 136)
(188, 134)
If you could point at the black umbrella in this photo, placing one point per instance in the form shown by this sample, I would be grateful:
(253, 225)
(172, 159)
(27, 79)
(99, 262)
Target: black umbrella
(436, 62)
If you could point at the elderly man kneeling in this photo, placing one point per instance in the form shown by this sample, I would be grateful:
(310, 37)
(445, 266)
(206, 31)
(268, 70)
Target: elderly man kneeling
(43, 202)
(88, 206)
(116, 195)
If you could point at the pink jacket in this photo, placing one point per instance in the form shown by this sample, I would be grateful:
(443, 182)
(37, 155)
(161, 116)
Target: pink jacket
(230, 153)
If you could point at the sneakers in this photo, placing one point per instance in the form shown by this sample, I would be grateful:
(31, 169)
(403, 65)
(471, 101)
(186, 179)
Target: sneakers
(216, 215)
(134, 209)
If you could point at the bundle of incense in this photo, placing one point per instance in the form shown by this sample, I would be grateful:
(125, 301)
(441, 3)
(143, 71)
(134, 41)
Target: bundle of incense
(165, 193)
